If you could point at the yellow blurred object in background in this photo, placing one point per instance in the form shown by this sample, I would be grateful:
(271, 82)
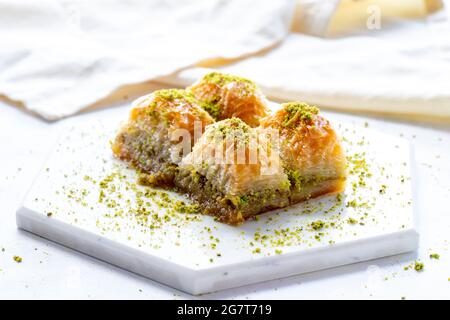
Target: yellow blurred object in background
(353, 15)
(433, 5)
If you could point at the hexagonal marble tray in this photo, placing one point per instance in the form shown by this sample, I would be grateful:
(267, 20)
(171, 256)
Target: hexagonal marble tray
(87, 200)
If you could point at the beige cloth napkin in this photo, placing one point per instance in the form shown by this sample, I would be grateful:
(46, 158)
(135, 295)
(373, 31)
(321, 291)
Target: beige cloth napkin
(59, 57)
(402, 70)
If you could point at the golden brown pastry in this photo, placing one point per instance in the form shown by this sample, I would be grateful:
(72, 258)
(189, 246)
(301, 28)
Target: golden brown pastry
(149, 141)
(231, 176)
(226, 96)
(310, 150)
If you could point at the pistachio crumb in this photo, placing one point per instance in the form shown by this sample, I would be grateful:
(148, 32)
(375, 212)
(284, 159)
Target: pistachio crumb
(435, 256)
(418, 266)
(317, 225)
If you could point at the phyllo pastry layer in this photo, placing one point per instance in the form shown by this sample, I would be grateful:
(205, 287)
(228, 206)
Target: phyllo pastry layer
(232, 175)
(150, 140)
(310, 150)
(227, 96)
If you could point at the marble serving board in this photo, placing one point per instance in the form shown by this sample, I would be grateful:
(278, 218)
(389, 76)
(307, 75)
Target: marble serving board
(86, 200)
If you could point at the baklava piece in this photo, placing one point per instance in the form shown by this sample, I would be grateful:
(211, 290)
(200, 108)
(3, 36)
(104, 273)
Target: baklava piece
(226, 96)
(150, 140)
(311, 152)
(231, 176)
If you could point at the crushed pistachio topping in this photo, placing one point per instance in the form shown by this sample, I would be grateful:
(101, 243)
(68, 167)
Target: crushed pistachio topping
(233, 128)
(213, 109)
(297, 180)
(182, 207)
(435, 256)
(232, 125)
(175, 94)
(212, 104)
(418, 266)
(224, 79)
(172, 95)
(122, 199)
(298, 111)
(317, 225)
(17, 259)
(294, 177)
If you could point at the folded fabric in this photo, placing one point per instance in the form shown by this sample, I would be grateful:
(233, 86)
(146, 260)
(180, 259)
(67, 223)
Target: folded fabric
(58, 57)
(403, 71)
(352, 16)
(314, 16)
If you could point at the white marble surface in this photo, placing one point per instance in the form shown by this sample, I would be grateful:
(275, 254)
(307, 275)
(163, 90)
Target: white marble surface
(52, 271)
(94, 206)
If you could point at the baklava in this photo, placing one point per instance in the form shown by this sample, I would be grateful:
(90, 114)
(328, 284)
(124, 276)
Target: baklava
(311, 152)
(150, 140)
(236, 160)
(232, 175)
(226, 96)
